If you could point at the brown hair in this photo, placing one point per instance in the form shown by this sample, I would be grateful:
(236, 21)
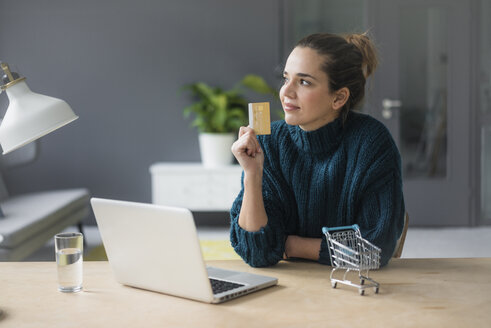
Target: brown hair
(350, 60)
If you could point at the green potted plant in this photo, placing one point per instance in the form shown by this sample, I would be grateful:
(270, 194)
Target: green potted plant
(218, 114)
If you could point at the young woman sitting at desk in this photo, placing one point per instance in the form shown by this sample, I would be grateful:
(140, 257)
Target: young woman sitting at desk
(324, 165)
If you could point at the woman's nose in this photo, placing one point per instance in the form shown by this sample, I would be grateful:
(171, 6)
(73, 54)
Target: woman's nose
(288, 90)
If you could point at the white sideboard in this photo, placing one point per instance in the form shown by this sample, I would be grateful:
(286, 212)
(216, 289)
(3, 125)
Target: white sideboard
(193, 186)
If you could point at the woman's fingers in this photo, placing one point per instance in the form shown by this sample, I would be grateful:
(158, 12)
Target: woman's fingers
(247, 146)
(243, 130)
(247, 142)
(247, 150)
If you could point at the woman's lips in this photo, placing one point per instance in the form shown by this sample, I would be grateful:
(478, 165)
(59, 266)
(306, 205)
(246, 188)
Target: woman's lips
(290, 107)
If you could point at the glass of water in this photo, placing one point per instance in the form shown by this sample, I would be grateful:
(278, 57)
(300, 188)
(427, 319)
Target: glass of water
(69, 257)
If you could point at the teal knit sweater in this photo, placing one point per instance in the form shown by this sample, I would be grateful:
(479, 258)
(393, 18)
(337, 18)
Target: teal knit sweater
(335, 176)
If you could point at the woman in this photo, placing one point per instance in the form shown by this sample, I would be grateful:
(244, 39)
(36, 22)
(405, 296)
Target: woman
(323, 166)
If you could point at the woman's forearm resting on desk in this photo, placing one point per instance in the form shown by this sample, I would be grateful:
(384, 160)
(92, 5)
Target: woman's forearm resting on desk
(301, 247)
(253, 217)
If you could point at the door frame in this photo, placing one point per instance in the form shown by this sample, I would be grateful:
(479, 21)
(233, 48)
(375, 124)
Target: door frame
(479, 120)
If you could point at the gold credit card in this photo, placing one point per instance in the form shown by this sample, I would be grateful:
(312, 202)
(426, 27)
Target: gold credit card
(259, 118)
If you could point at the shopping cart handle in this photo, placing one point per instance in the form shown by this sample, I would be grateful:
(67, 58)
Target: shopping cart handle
(352, 227)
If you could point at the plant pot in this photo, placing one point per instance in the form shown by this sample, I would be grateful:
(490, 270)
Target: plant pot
(215, 149)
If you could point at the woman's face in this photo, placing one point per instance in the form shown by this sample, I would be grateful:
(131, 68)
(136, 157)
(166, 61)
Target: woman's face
(305, 95)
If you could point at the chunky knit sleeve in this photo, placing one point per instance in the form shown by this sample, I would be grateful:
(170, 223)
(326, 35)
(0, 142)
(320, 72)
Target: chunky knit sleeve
(380, 202)
(266, 246)
(381, 214)
(373, 190)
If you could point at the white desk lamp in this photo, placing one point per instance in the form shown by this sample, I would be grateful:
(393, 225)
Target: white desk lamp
(30, 115)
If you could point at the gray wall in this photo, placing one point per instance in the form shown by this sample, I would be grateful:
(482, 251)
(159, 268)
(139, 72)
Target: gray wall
(120, 65)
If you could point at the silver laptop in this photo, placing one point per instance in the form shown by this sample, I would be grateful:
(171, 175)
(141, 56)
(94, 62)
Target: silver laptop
(157, 248)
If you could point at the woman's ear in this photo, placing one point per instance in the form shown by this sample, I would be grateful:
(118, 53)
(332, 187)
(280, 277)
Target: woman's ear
(341, 96)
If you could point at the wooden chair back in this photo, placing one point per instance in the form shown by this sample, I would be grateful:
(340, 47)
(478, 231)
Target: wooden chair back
(402, 238)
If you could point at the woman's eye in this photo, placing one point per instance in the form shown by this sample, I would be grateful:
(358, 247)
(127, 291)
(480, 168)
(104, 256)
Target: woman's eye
(304, 82)
(285, 79)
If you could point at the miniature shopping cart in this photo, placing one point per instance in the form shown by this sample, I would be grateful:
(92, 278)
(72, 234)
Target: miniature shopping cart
(350, 252)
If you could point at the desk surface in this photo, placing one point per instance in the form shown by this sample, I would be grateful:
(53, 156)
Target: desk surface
(413, 293)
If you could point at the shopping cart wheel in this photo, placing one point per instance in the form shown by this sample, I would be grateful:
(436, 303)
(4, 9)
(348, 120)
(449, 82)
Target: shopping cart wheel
(376, 290)
(362, 292)
(334, 284)
(362, 281)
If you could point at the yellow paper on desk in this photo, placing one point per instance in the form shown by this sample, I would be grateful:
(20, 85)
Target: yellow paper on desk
(259, 118)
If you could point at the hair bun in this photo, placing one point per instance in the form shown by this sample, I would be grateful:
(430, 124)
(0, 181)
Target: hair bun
(367, 49)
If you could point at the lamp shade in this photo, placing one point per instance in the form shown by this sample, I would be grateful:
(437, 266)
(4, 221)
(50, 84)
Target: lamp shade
(30, 116)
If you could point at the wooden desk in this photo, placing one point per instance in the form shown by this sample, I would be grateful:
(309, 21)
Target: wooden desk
(413, 293)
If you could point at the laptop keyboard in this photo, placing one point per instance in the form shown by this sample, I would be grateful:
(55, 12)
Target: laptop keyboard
(220, 286)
